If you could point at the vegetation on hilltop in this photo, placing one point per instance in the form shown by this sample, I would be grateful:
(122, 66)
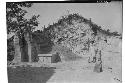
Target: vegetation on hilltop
(75, 32)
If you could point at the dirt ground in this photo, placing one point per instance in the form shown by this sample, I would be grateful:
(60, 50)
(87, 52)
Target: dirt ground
(78, 71)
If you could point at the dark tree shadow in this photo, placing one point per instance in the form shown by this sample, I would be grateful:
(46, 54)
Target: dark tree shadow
(29, 75)
(24, 50)
(44, 44)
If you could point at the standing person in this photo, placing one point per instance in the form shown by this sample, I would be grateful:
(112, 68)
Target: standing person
(98, 64)
(92, 57)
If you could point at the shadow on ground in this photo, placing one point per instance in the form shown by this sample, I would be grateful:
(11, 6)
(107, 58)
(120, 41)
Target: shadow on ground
(67, 54)
(29, 75)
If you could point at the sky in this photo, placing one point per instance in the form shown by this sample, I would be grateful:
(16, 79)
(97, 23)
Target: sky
(106, 15)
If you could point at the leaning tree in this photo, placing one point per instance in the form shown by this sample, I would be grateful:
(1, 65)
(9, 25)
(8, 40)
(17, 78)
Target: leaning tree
(16, 23)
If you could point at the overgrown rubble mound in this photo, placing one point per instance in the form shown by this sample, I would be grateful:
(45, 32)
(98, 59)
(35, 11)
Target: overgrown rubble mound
(76, 33)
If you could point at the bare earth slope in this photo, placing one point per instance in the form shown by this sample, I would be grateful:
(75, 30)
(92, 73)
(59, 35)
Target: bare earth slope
(79, 72)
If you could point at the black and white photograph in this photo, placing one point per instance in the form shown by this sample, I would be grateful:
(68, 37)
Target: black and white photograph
(64, 42)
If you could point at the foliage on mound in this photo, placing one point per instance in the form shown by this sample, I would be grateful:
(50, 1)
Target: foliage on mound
(76, 32)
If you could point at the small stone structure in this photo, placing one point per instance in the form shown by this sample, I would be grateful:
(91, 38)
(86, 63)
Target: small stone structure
(49, 58)
(45, 58)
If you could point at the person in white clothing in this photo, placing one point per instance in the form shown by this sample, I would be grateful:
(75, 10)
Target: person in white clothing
(92, 57)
